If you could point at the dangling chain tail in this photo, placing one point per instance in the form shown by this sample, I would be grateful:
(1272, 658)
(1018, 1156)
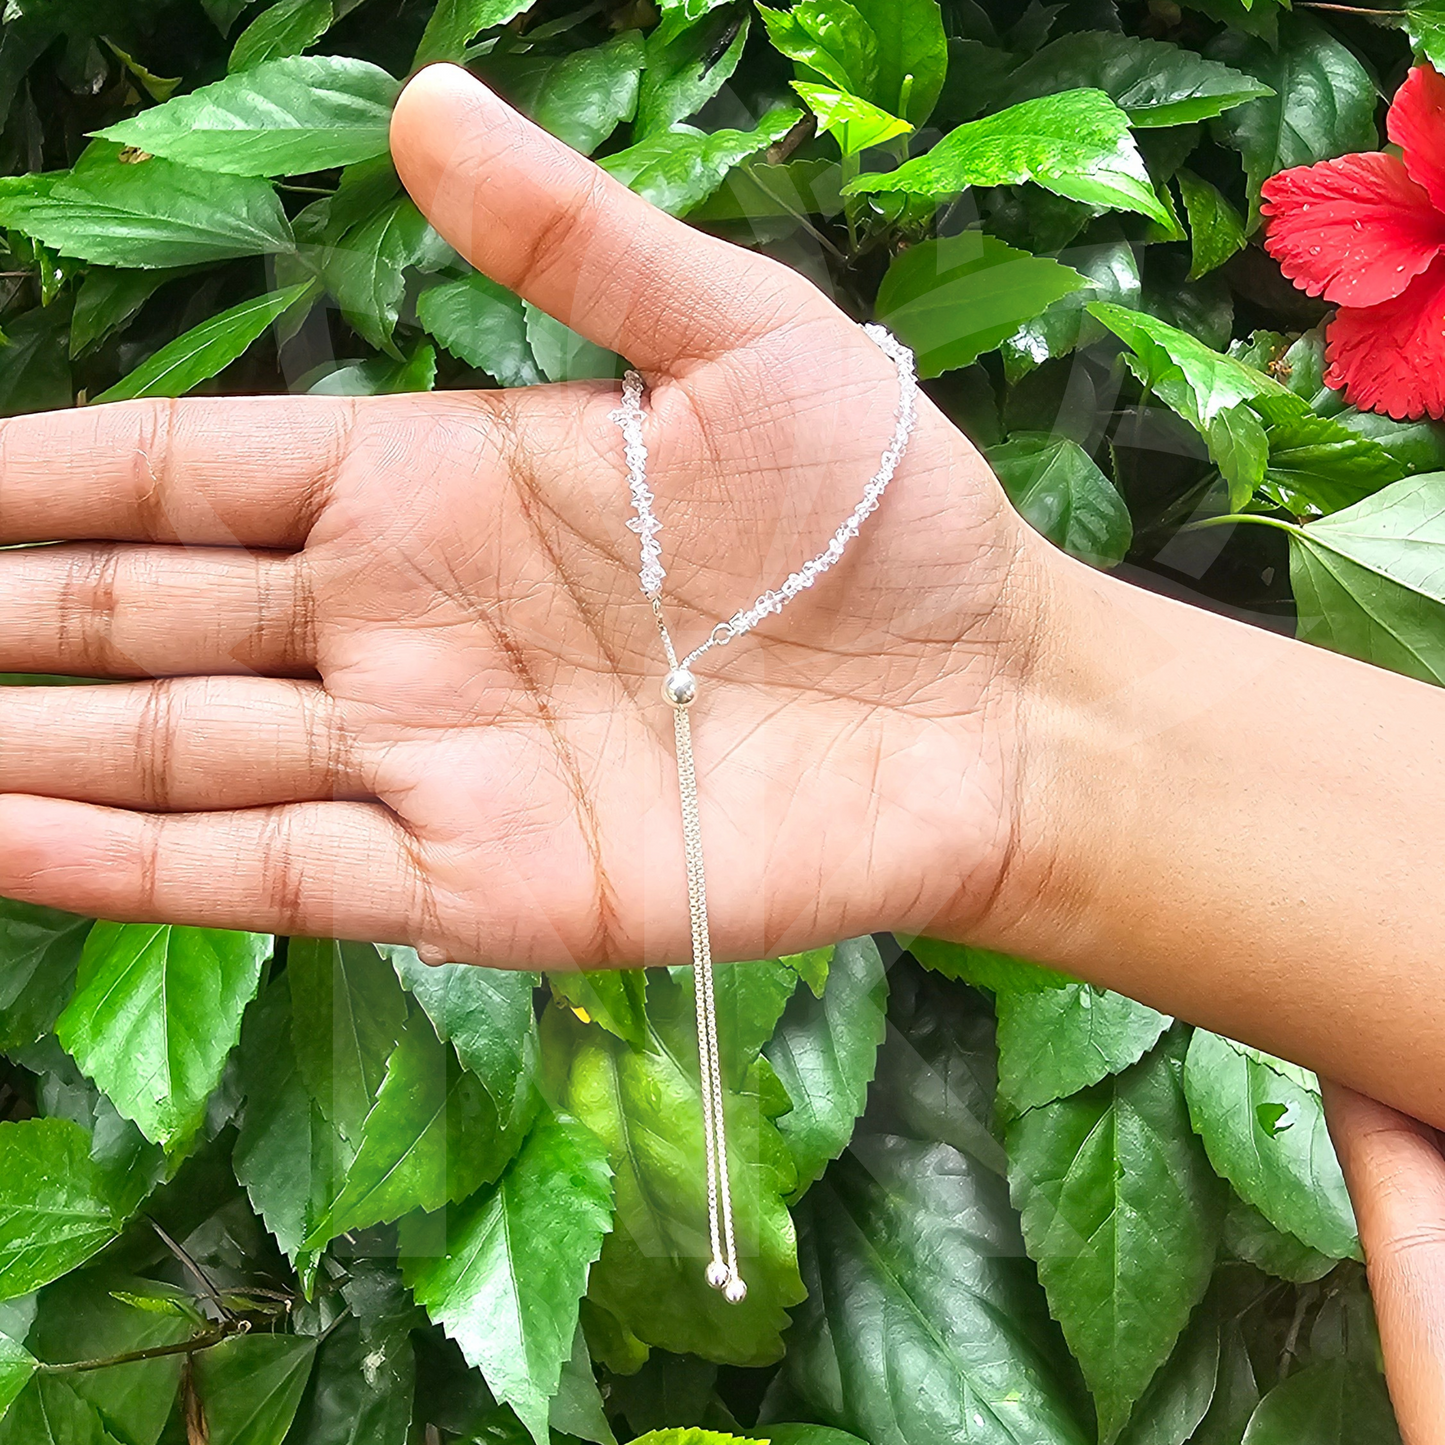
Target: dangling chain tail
(679, 690)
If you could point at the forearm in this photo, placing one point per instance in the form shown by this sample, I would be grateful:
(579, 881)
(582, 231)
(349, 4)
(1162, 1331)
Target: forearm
(1238, 829)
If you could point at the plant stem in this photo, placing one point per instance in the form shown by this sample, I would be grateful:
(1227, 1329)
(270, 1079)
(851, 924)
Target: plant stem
(201, 1277)
(797, 215)
(850, 168)
(1350, 9)
(1243, 517)
(157, 1352)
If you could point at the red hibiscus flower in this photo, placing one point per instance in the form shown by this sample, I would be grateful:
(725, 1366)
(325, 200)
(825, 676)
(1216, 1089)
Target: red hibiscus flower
(1368, 233)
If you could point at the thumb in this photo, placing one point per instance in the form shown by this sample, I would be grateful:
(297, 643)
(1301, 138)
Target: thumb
(545, 222)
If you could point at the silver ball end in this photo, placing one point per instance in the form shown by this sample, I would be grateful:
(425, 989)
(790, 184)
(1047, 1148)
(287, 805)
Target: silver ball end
(679, 688)
(735, 1291)
(718, 1274)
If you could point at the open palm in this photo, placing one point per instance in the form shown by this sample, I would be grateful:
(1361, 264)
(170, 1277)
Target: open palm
(410, 682)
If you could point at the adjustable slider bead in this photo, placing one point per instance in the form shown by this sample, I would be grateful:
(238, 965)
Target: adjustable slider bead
(735, 1291)
(718, 1275)
(679, 688)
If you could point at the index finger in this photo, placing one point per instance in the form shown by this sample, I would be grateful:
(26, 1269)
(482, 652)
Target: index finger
(545, 222)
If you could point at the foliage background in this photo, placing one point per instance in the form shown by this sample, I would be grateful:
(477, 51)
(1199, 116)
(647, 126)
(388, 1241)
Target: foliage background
(257, 1190)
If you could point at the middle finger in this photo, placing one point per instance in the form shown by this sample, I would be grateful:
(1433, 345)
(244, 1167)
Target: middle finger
(116, 610)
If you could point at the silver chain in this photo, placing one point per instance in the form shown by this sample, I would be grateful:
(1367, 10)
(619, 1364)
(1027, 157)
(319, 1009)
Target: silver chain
(679, 690)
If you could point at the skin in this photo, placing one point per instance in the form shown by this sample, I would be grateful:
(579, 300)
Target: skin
(393, 678)
(1396, 1175)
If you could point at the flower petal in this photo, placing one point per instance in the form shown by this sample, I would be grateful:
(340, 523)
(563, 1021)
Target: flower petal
(1391, 357)
(1416, 124)
(1358, 229)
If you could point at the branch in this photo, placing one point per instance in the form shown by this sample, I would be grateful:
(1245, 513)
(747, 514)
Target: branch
(191, 1346)
(1352, 9)
(202, 1278)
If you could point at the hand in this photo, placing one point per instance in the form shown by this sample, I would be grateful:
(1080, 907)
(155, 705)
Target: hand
(1396, 1175)
(410, 682)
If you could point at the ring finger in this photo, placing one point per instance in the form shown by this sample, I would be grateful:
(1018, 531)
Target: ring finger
(187, 744)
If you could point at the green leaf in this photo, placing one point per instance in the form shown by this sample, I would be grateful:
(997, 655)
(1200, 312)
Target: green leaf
(1156, 83)
(912, 56)
(683, 70)
(251, 1385)
(1323, 103)
(206, 349)
(562, 354)
(812, 966)
(577, 1409)
(1263, 1126)
(48, 1412)
(981, 967)
(953, 298)
(284, 29)
(683, 167)
(1368, 580)
(432, 1138)
(516, 1262)
(1053, 1042)
(107, 299)
(348, 1010)
(1240, 449)
(158, 87)
(646, 1105)
(129, 1165)
(55, 1208)
(454, 23)
(805, 1435)
(1236, 1393)
(155, 1012)
(1111, 273)
(857, 124)
(484, 324)
(1076, 144)
(1060, 492)
(487, 1015)
(151, 213)
(1333, 1403)
(677, 13)
(1418, 446)
(365, 266)
(289, 1157)
(758, 191)
(1249, 1236)
(286, 117)
(381, 376)
(81, 1318)
(34, 373)
(16, 1367)
(1122, 1214)
(1216, 230)
(1196, 381)
(1178, 1397)
(1317, 464)
(686, 1435)
(581, 98)
(828, 39)
(825, 1051)
(39, 952)
(749, 1000)
(938, 1071)
(922, 1321)
(364, 1382)
(615, 998)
